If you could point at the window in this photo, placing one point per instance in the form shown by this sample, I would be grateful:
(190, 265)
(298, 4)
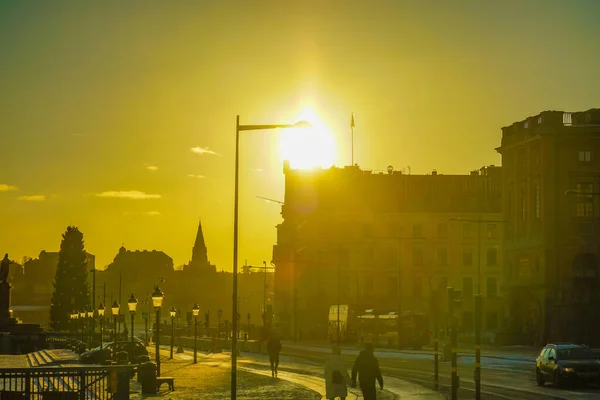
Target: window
(491, 231)
(467, 257)
(492, 257)
(443, 283)
(492, 287)
(539, 120)
(467, 287)
(442, 230)
(442, 256)
(417, 256)
(393, 287)
(491, 320)
(417, 287)
(537, 201)
(417, 231)
(392, 256)
(552, 353)
(467, 231)
(585, 156)
(585, 202)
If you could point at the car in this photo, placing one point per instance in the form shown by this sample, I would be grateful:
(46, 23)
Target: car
(108, 352)
(567, 364)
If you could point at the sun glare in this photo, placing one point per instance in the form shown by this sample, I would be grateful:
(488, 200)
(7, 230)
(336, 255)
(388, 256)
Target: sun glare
(308, 147)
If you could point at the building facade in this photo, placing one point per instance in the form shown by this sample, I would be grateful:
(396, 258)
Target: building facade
(387, 241)
(551, 178)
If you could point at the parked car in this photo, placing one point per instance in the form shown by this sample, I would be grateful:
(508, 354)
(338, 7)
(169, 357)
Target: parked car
(110, 350)
(567, 364)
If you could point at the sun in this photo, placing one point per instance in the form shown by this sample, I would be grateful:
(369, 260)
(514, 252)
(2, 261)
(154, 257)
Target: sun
(308, 147)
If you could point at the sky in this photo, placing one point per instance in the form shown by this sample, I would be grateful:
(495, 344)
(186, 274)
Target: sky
(119, 117)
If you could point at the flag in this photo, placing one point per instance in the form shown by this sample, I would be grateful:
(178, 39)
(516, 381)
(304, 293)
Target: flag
(352, 121)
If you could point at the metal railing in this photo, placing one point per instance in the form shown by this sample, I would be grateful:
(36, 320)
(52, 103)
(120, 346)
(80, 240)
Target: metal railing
(76, 383)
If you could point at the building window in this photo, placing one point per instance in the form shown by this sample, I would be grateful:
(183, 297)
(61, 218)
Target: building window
(393, 287)
(491, 320)
(467, 287)
(442, 230)
(492, 257)
(467, 231)
(585, 156)
(417, 231)
(392, 256)
(417, 256)
(467, 257)
(539, 120)
(585, 202)
(443, 283)
(417, 287)
(491, 231)
(442, 256)
(492, 287)
(537, 200)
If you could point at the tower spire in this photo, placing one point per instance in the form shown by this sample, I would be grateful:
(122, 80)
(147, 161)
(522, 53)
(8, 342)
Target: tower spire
(199, 251)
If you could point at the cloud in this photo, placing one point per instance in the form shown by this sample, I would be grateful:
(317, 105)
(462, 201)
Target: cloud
(204, 150)
(150, 167)
(131, 194)
(257, 169)
(153, 213)
(7, 188)
(34, 197)
(196, 176)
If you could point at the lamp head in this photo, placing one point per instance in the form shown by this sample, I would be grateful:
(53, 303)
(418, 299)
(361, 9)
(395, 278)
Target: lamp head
(196, 310)
(132, 303)
(157, 298)
(115, 308)
(90, 313)
(101, 310)
(82, 313)
(173, 312)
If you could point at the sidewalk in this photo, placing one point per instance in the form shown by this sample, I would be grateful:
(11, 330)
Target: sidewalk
(211, 379)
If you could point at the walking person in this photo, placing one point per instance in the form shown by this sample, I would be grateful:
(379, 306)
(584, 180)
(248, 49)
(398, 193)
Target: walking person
(366, 367)
(274, 348)
(336, 376)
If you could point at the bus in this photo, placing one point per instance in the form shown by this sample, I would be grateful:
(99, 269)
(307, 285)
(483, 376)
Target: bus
(382, 329)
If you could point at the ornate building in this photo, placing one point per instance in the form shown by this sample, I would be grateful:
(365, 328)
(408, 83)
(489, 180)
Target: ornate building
(551, 180)
(387, 241)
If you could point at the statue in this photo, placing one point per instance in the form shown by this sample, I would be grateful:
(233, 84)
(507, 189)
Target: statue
(4, 269)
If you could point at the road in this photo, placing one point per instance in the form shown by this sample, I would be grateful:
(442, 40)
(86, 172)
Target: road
(501, 378)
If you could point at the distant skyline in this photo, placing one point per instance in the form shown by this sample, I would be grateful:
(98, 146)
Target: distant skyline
(119, 117)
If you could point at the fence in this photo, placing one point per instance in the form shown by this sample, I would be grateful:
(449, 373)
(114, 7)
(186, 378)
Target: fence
(67, 383)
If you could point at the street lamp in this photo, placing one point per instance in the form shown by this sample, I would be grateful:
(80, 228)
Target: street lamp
(101, 316)
(90, 316)
(157, 300)
(115, 313)
(172, 313)
(241, 128)
(132, 304)
(196, 312)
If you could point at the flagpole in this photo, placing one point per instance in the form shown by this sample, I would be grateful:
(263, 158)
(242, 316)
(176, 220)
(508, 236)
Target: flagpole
(352, 128)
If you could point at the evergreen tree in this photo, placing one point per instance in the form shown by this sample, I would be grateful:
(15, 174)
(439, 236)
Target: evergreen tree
(71, 290)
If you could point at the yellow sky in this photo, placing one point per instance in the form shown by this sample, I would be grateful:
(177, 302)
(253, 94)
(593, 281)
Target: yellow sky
(111, 98)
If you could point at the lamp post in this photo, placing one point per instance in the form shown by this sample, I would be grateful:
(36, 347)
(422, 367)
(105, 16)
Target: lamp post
(241, 128)
(101, 316)
(90, 315)
(196, 312)
(157, 300)
(132, 304)
(82, 315)
(115, 313)
(173, 314)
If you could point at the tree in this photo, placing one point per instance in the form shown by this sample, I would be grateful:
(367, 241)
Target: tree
(71, 290)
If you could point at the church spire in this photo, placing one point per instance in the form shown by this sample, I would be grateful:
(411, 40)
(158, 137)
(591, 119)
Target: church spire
(199, 252)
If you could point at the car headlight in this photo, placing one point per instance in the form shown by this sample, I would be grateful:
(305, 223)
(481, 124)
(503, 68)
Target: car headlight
(568, 370)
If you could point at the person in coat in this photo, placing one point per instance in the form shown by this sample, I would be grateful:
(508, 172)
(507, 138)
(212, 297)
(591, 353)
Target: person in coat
(273, 348)
(336, 376)
(366, 367)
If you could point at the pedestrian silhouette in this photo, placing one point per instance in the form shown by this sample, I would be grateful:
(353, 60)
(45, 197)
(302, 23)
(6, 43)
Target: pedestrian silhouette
(366, 367)
(273, 348)
(336, 375)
